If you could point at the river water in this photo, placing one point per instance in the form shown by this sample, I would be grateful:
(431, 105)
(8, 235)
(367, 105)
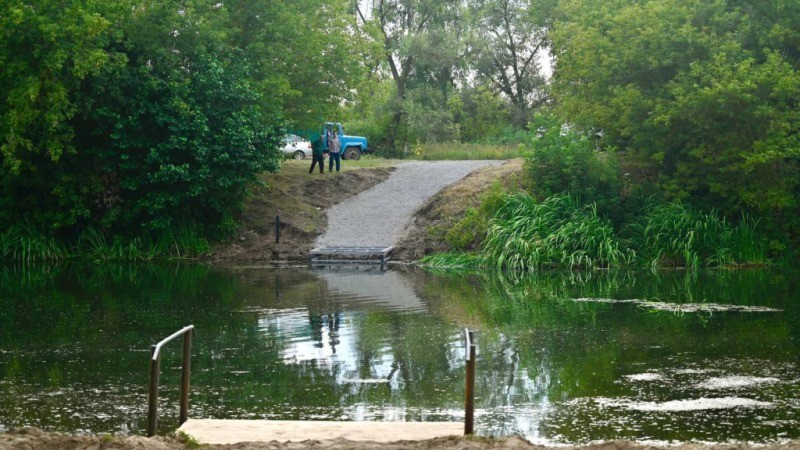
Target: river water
(564, 357)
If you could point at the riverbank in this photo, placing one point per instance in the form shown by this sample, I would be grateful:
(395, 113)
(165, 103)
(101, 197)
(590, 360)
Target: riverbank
(40, 440)
(301, 200)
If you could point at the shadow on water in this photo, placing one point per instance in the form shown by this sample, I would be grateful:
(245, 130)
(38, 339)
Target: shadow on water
(564, 357)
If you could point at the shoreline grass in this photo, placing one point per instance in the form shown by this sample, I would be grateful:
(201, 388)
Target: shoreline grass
(22, 243)
(526, 235)
(457, 151)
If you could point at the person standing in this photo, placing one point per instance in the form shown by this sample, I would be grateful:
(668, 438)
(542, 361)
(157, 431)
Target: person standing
(316, 156)
(333, 151)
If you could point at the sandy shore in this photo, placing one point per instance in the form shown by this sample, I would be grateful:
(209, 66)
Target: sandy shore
(37, 439)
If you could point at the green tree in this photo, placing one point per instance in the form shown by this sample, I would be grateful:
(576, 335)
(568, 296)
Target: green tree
(154, 123)
(510, 39)
(47, 52)
(704, 92)
(308, 55)
(423, 46)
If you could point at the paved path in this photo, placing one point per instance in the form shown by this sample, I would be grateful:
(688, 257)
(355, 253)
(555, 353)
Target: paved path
(378, 216)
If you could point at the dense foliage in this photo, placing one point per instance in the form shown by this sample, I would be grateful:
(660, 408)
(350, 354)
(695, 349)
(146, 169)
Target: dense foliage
(520, 233)
(703, 94)
(137, 119)
(564, 162)
(140, 119)
(451, 71)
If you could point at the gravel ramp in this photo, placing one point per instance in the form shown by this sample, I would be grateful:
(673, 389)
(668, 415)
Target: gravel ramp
(378, 216)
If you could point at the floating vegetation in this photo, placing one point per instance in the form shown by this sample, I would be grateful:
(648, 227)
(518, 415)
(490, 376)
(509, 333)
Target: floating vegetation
(365, 380)
(735, 382)
(682, 307)
(695, 404)
(647, 376)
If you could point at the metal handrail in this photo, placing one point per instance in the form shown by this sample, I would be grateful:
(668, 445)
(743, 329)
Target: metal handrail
(469, 388)
(155, 368)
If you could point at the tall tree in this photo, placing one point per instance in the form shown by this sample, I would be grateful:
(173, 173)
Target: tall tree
(308, 55)
(511, 43)
(420, 40)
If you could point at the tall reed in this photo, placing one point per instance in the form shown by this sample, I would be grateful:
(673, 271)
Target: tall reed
(23, 243)
(528, 235)
(673, 234)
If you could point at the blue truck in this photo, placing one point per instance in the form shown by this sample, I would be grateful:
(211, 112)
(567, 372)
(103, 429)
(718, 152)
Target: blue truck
(352, 147)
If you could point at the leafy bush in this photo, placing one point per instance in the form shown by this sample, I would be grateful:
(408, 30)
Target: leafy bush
(469, 232)
(154, 134)
(564, 162)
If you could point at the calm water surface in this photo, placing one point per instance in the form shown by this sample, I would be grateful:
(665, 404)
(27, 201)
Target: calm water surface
(563, 357)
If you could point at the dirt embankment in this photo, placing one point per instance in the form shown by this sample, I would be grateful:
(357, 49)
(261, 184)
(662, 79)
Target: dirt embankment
(425, 233)
(26, 439)
(301, 199)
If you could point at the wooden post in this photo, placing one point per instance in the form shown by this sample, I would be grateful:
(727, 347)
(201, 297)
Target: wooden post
(469, 406)
(152, 411)
(185, 373)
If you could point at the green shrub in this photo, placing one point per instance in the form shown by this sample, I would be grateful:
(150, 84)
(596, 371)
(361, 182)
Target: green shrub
(468, 233)
(563, 162)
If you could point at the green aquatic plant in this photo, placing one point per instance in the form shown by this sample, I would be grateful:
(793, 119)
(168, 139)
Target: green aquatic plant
(673, 234)
(22, 243)
(558, 232)
(452, 261)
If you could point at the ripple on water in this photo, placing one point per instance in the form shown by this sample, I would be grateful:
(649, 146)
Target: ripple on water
(647, 376)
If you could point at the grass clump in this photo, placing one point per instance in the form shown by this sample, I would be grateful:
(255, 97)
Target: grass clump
(23, 243)
(672, 234)
(524, 234)
(454, 151)
(558, 232)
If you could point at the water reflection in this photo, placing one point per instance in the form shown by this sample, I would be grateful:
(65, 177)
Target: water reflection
(640, 355)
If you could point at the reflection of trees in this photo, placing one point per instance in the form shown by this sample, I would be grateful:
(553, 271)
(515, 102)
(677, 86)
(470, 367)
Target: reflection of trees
(537, 345)
(82, 332)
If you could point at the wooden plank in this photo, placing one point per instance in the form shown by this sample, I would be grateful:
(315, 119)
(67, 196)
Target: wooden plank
(208, 431)
(352, 251)
(349, 261)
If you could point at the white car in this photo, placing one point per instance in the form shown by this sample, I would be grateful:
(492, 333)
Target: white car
(296, 146)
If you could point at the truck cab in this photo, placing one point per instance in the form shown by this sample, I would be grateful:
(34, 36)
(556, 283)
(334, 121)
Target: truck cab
(352, 147)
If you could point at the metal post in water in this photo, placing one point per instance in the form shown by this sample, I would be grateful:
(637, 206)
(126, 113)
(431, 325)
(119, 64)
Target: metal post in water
(152, 411)
(469, 406)
(187, 366)
(277, 229)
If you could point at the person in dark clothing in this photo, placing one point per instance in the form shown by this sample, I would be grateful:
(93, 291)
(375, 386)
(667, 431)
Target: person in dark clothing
(316, 156)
